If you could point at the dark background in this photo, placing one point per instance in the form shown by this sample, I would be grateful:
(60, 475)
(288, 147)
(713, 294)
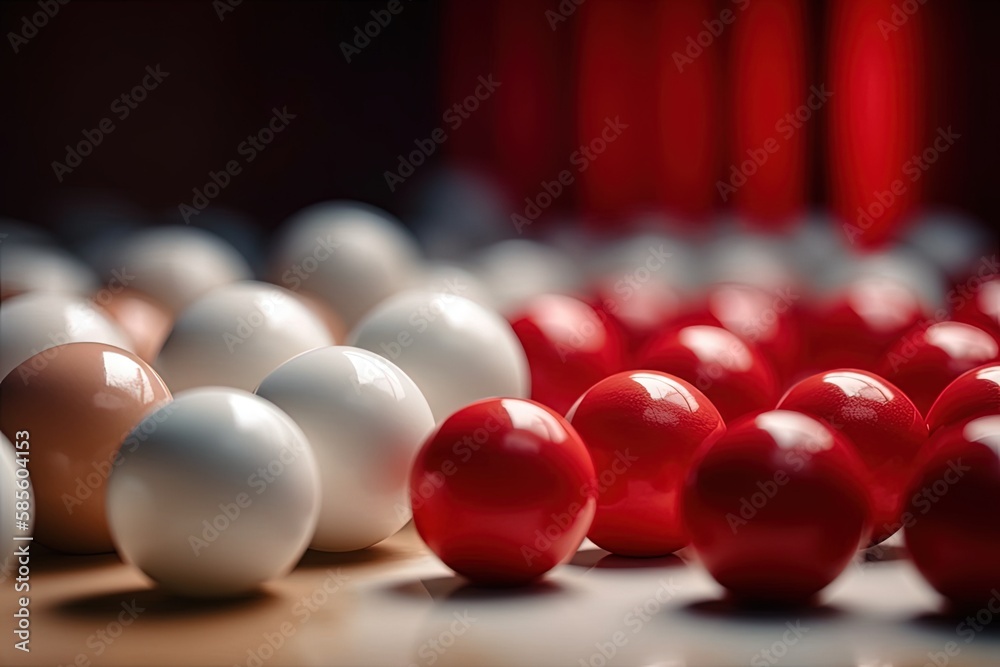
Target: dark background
(353, 119)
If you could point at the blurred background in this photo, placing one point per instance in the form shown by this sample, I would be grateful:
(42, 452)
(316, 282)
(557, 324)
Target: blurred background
(699, 87)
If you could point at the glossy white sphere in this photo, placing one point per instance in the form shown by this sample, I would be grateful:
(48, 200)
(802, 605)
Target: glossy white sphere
(14, 488)
(175, 265)
(34, 322)
(33, 268)
(349, 254)
(365, 420)
(237, 334)
(220, 495)
(454, 349)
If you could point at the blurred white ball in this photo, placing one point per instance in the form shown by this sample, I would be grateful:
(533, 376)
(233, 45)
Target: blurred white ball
(175, 265)
(34, 322)
(236, 334)
(517, 270)
(451, 279)
(952, 241)
(648, 258)
(365, 420)
(37, 268)
(752, 258)
(349, 254)
(454, 349)
(221, 495)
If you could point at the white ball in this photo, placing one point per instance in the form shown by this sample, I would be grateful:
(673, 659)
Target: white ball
(454, 349)
(517, 270)
(237, 334)
(349, 254)
(220, 495)
(11, 484)
(365, 420)
(35, 268)
(175, 265)
(34, 322)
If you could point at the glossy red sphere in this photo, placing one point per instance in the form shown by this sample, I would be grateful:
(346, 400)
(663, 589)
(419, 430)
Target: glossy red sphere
(881, 423)
(642, 429)
(975, 393)
(978, 304)
(569, 348)
(765, 318)
(856, 327)
(503, 491)
(777, 507)
(952, 531)
(927, 359)
(729, 370)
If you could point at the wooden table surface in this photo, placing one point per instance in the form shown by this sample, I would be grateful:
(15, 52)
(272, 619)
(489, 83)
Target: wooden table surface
(396, 604)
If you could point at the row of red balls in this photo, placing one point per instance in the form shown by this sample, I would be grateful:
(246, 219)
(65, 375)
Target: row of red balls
(775, 505)
(743, 346)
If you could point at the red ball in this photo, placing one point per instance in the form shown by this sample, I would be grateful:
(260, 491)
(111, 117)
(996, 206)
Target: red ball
(979, 307)
(730, 371)
(503, 491)
(642, 429)
(569, 348)
(975, 393)
(856, 327)
(926, 360)
(952, 531)
(882, 424)
(766, 319)
(777, 507)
